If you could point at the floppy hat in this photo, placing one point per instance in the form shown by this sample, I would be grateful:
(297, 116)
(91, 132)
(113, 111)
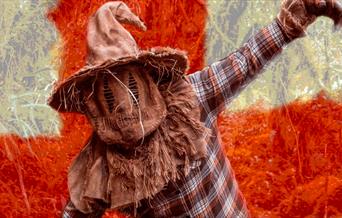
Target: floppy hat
(110, 45)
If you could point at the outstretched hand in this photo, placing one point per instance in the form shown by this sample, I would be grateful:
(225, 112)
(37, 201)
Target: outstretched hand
(296, 15)
(328, 8)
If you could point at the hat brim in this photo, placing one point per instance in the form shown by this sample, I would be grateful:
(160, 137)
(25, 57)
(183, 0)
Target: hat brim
(65, 96)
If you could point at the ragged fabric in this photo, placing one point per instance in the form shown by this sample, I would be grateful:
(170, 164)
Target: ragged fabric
(144, 114)
(296, 15)
(122, 178)
(120, 173)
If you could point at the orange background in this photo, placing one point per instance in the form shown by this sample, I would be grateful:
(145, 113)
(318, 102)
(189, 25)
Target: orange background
(287, 160)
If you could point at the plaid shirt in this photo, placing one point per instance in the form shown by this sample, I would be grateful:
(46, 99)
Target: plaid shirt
(210, 189)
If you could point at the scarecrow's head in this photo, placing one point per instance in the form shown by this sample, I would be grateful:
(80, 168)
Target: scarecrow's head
(119, 89)
(124, 104)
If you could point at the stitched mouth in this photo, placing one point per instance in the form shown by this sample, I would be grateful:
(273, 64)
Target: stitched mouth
(123, 120)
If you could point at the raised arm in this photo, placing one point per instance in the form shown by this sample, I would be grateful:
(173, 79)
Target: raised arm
(218, 83)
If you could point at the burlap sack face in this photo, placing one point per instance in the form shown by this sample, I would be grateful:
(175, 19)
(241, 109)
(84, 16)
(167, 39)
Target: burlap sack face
(147, 131)
(123, 177)
(124, 105)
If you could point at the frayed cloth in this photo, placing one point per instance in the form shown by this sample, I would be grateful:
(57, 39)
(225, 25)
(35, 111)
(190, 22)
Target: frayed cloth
(296, 15)
(101, 173)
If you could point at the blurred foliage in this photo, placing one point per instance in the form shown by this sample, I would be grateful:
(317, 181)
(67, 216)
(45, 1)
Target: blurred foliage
(305, 67)
(286, 159)
(27, 67)
(283, 133)
(33, 171)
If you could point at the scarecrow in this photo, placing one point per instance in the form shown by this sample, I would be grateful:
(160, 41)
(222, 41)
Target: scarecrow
(155, 149)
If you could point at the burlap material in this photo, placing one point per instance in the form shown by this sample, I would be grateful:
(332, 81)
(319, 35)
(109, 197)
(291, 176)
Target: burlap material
(106, 38)
(124, 105)
(110, 45)
(145, 115)
(103, 172)
(296, 15)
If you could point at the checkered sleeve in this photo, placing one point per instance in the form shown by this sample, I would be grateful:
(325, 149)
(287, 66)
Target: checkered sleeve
(218, 83)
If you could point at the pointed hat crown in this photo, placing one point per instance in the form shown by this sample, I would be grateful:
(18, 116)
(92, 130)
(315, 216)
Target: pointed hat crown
(107, 38)
(110, 45)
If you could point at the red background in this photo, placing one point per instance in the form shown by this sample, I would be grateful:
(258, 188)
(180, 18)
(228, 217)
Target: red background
(287, 160)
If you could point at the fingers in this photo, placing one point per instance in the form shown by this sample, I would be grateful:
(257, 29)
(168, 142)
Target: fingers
(321, 4)
(334, 11)
(328, 8)
(316, 7)
(295, 18)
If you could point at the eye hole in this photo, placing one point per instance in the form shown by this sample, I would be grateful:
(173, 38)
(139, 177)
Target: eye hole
(108, 94)
(132, 85)
(160, 79)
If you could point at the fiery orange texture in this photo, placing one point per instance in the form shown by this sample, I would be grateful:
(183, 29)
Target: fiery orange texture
(33, 171)
(287, 160)
(177, 24)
